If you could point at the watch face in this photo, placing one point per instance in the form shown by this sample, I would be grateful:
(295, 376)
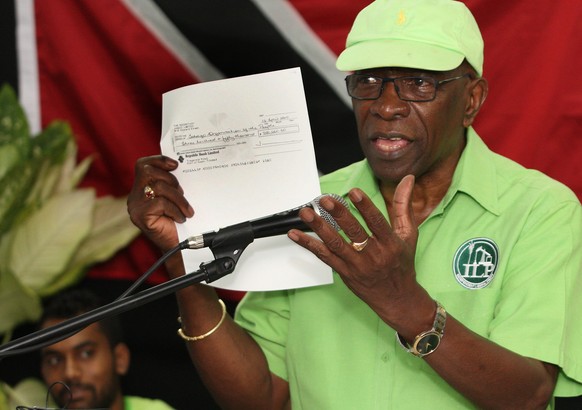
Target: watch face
(428, 343)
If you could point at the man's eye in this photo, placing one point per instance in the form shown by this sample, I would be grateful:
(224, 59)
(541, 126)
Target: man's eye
(86, 353)
(51, 361)
(420, 82)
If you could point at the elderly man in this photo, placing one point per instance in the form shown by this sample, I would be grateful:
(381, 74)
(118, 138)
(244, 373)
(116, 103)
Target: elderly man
(456, 271)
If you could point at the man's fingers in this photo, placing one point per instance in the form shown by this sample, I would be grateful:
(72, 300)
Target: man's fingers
(155, 168)
(154, 181)
(342, 216)
(158, 161)
(325, 247)
(401, 215)
(375, 221)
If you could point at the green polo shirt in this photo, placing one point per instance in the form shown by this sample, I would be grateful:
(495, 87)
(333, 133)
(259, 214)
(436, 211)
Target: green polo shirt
(143, 403)
(501, 252)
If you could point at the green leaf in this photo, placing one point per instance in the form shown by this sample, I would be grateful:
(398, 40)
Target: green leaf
(3, 397)
(50, 231)
(50, 151)
(18, 304)
(45, 243)
(111, 230)
(33, 177)
(50, 176)
(14, 189)
(6, 241)
(29, 392)
(53, 142)
(70, 178)
(67, 278)
(13, 124)
(9, 157)
(42, 188)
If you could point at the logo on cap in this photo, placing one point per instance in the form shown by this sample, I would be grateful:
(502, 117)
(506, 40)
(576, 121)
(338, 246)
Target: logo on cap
(401, 18)
(475, 263)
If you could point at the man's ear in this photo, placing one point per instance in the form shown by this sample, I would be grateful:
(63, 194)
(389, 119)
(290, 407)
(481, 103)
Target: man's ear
(122, 358)
(478, 93)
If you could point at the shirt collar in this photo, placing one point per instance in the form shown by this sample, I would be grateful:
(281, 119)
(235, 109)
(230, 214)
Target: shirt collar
(475, 175)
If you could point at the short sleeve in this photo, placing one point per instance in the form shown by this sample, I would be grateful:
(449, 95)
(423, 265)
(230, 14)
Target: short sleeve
(265, 316)
(541, 301)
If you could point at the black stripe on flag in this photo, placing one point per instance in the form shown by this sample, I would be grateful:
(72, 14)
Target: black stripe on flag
(238, 40)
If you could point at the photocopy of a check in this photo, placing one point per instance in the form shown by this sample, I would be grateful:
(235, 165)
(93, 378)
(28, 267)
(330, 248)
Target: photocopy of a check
(245, 151)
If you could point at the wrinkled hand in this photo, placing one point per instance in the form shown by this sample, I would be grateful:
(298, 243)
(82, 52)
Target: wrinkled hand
(384, 269)
(156, 216)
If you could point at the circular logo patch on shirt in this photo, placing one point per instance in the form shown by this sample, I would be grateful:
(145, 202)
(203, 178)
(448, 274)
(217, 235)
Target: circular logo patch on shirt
(475, 263)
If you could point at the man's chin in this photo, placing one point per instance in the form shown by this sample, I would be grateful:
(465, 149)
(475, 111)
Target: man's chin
(81, 399)
(78, 404)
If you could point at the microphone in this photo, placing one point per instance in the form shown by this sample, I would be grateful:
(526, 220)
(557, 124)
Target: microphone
(273, 225)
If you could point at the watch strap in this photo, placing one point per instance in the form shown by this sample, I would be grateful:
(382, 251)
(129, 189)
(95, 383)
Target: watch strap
(427, 342)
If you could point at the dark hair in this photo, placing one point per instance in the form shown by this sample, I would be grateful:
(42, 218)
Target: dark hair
(73, 302)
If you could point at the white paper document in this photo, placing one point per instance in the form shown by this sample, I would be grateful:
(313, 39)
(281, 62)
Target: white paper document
(246, 152)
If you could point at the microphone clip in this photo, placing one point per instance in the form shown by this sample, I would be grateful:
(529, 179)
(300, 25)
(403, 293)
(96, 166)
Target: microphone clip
(217, 268)
(227, 245)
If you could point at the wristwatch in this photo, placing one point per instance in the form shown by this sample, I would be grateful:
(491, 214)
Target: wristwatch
(427, 342)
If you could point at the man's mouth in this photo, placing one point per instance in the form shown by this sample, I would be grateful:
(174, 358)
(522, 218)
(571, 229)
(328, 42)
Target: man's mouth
(75, 395)
(390, 144)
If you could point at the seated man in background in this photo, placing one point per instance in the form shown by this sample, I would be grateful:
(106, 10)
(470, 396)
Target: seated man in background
(91, 362)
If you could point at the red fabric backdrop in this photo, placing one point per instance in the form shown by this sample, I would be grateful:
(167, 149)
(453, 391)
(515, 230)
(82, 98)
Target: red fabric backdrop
(102, 69)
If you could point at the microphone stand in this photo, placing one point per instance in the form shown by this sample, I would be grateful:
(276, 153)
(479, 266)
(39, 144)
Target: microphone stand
(226, 248)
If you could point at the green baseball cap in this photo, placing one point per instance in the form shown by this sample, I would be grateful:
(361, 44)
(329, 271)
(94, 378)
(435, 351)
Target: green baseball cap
(423, 34)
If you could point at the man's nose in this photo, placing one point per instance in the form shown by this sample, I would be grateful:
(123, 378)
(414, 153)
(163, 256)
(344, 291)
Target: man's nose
(72, 370)
(389, 103)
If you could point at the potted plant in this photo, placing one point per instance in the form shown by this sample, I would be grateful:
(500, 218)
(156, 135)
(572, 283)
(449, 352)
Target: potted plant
(51, 230)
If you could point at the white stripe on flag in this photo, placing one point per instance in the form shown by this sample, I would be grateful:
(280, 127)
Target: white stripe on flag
(301, 37)
(28, 84)
(166, 32)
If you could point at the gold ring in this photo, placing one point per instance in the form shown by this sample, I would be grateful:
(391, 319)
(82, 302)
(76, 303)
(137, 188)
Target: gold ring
(359, 246)
(149, 192)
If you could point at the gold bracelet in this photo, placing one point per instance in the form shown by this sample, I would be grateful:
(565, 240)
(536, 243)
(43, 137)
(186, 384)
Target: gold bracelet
(195, 338)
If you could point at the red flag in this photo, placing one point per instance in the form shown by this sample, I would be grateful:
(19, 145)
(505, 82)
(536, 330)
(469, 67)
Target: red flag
(103, 66)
